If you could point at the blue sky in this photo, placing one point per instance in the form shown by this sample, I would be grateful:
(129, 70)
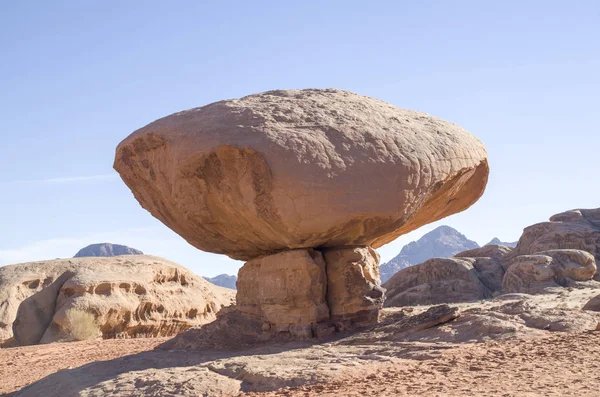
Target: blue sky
(78, 77)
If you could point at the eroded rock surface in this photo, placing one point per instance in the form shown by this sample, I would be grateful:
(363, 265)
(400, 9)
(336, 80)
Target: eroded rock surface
(548, 269)
(298, 169)
(128, 296)
(354, 290)
(576, 229)
(438, 280)
(286, 291)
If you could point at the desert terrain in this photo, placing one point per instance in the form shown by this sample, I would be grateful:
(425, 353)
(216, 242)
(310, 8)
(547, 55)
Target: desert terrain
(506, 346)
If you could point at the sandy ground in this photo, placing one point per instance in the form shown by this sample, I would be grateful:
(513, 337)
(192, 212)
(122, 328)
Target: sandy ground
(20, 366)
(558, 364)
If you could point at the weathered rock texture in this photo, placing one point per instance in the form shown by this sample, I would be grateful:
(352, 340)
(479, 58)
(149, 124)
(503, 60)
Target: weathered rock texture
(106, 249)
(129, 296)
(410, 339)
(354, 292)
(299, 169)
(438, 280)
(546, 269)
(576, 229)
(286, 291)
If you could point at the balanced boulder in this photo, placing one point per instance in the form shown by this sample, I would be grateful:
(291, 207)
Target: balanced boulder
(302, 184)
(300, 169)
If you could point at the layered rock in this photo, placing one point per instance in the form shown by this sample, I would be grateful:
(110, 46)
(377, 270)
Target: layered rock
(128, 297)
(301, 184)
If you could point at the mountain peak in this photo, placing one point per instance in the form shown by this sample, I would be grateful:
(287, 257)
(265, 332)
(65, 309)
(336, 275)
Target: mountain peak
(442, 242)
(497, 241)
(106, 249)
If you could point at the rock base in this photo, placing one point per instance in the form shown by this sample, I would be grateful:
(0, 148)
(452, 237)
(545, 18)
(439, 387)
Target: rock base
(308, 293)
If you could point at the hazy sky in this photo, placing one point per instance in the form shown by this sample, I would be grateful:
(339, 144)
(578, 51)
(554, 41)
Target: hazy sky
(77, 77)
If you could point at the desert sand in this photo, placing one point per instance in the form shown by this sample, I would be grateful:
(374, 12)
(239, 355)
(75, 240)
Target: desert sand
(562, 364)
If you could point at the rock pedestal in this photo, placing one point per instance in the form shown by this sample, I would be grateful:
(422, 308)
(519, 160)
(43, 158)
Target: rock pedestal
(305, 291)
(354, 292)
(287, 291)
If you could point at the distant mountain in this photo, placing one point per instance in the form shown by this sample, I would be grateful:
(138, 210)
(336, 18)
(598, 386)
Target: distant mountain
(107, 249)
(442, 242)
(496, 241)
(223, 280)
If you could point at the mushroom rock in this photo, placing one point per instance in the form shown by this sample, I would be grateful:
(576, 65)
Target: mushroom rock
(303, 171)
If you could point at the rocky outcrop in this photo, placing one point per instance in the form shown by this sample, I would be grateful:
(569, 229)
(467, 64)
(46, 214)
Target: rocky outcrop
(106, 249)
(496, 252)
(559, 253)
(438, 280)
(442, 242)
(128, 297)
(301, 184)
(547, 269)
(223, 280)
(576, 229)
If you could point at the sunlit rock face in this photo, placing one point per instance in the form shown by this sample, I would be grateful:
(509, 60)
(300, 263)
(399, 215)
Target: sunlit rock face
(300, 169)
(310, 180)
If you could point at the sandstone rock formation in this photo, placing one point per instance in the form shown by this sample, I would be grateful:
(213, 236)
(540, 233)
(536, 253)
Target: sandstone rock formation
(576, 229)
(301, 184)
(106, 249)
(128, 296)
(442, 242)
(408, 338)
(546, 269)
(559, 253)
(286, 291)
(299, 169)
(353, 288)
(593, 304)
(438, 280)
